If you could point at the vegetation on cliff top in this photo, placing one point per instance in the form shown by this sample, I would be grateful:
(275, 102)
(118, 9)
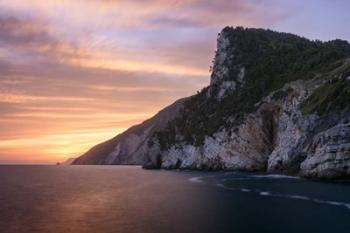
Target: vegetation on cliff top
(332, 96)
(271, 59)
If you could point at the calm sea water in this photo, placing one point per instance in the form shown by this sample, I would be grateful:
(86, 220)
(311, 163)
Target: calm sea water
(123, 199)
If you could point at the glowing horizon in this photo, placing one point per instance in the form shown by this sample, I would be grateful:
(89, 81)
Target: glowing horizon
(76, 73)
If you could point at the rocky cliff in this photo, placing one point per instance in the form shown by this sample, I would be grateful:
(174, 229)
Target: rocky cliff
(276, 102)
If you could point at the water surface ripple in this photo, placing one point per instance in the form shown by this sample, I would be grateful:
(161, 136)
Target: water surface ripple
(126, 199)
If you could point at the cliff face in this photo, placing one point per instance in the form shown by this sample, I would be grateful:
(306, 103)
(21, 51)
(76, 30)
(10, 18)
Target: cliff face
(276, 102)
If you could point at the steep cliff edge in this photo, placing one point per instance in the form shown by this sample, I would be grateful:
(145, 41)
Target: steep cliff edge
(276, 102)
(131, 146)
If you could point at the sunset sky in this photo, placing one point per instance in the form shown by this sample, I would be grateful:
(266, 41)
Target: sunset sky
(75, 73)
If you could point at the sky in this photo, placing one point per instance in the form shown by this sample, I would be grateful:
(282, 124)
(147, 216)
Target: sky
(74, 73)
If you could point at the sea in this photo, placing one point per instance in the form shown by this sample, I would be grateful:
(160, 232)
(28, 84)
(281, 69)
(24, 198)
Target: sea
(129, 199)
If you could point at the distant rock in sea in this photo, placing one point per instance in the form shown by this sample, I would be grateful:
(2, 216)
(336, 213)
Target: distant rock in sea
(68, 161)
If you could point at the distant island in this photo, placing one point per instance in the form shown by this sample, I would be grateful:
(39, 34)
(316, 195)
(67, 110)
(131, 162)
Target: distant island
(276, 103)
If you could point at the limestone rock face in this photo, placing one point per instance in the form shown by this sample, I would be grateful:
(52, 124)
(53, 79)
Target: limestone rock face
(291, 133)
(246, 149)
(329, 153)
(223, 59)
(265, 140)
(225, 65)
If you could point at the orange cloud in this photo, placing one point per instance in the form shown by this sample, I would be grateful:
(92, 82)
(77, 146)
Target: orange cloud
(53, 148)
(18, 98)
